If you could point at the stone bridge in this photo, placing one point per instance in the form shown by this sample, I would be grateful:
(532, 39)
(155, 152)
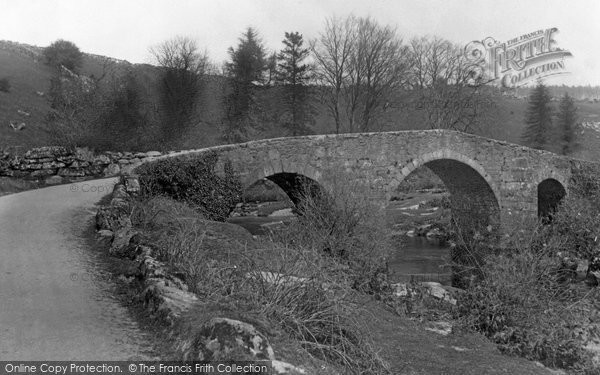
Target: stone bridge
(490, 181)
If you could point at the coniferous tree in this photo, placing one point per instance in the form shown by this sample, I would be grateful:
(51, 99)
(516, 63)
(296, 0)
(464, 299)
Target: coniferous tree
(247, 67)
(272, 68)
(567, 122)
(294, 76)
(538, 118)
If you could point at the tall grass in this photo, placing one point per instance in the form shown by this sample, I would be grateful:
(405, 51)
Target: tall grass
(342, 223)
(525, 299)
(303, 280)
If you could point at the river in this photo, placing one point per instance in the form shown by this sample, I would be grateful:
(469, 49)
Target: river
(58, 299)
(414, 258)
(419, 259)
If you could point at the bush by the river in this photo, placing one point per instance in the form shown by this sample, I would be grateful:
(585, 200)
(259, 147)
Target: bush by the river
(529, 299)
(195, 182)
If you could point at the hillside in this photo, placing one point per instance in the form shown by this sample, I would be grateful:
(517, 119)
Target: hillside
(29, 78)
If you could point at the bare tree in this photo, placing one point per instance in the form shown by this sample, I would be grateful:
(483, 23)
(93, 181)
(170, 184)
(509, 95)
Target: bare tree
(378, 67)
(184, 68)
(448, 87)
(332, 52)
(361, 63)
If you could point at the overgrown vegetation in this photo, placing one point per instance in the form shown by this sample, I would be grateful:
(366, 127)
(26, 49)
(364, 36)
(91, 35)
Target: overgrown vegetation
(110, 112)
(344, 225)
(195, 182)
(303, 279)
(530, 299)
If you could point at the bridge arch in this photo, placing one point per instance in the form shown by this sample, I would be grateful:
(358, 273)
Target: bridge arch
(549, 193)
(473, 194)
(291, 177)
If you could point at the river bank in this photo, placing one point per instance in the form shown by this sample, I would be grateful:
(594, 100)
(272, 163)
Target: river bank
(395, 334)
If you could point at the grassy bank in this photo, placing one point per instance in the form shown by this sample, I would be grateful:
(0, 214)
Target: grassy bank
(317, 287)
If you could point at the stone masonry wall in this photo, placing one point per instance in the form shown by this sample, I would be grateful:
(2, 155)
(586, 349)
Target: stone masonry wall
(483, 174)
(55, 165)
(381, 161)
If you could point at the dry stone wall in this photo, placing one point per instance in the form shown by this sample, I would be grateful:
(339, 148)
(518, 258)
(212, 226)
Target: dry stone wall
(55, 165)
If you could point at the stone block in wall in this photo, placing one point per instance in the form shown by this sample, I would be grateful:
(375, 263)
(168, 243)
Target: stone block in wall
(123, 161)
(79, 164)
(53, 165)
(84, 154)
(42, 173)
(127, 168)
(132, 184)
(95, 170)
(153, 154)
(70, 172)
(30, 167)
(42, 160)
(67, 159)
(113, 154)
(101, 159)
(46, 152)
(111, 170)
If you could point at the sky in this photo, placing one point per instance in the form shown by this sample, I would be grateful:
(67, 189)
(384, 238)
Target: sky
(125, 29)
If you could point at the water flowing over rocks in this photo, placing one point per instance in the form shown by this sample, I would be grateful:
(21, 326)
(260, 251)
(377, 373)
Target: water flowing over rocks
(436, 290)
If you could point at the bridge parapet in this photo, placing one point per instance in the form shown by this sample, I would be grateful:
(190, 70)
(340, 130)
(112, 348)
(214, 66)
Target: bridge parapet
(490, 178)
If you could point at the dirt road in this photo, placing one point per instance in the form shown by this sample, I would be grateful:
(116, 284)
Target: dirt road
(56, 296)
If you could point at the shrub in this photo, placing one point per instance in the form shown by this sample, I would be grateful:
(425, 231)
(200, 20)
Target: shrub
(4, 84)
(526, 298)
(521, 301)
(63, 53)
(575, 226)
(343, 224)
(194, 182)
